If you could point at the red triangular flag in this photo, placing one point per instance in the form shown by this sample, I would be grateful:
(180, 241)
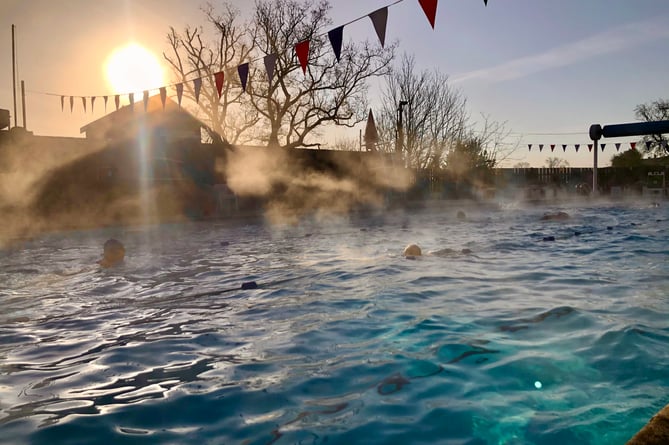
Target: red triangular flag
(71, 103)
(83, 101)
(117, 101)
(219, 78)
(302, 51)
(243, 71)
(93, 104)
(633, 145)
(146, 99)
(379, 20)
(197, 84)
(62, 103)
(430, 10)
(180, 92)
(105, 98)
(552, 147)
(163, 96)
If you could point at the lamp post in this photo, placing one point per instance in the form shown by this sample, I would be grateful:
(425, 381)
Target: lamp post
(400, 129)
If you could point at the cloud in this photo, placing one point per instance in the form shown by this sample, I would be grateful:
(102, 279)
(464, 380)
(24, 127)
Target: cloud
(617, 39)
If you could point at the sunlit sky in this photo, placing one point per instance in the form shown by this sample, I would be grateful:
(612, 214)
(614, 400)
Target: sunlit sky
(540, 66)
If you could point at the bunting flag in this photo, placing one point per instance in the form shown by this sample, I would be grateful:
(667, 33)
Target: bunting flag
(163, 96)
(603, 145)
(243, 71)
(131, 99)
(197, 85)
(576, 146)
(71, 103)
(219, 78)
(93, 104)
(617, 146)
(541, 147)
(83, 102)
(146, 100)
(379, 20)
(430, 10)
(105, 99)
(633, 145)
(62, 103)
(589, 147)
(336, 37)
(529, 146)
(270, 63)
(485, 2)
(552, 148)
(564, 148)
(302, 51)
(649, 144)
(117, 101)
(180, 92)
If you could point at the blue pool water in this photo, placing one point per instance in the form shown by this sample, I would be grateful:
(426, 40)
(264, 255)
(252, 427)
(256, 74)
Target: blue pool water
(523, 341)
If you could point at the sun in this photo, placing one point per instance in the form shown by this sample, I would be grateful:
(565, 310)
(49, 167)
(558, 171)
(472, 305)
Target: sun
(133, 68)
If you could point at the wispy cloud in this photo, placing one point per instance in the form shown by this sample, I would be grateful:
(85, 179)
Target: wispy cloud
(613, 40)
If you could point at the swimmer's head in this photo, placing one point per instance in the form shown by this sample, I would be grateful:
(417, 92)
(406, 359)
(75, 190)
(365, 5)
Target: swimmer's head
(113, 254)
(461, 215)
(412, 250)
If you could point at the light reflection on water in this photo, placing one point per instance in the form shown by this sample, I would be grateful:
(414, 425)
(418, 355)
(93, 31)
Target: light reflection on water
(344, 340)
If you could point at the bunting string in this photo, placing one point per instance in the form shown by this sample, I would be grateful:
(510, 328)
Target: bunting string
(378, 18)
(618, 145)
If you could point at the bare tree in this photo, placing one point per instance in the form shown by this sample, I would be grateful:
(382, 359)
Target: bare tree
(192, 57)
(555, 162)
(434, 117)
(654, 111)
(296, 104)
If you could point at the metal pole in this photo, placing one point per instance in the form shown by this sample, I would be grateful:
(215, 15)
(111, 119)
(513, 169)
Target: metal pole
(23, 104)
(14, 75)
(594, 170)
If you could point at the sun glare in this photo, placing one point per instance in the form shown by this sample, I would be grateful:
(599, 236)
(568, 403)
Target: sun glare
(133, 68)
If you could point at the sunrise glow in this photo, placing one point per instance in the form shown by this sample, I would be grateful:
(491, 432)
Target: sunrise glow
(132, 68)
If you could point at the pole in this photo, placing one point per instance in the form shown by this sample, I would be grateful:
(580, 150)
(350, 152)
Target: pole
(14, 75)
(23, 104)
(594, 170)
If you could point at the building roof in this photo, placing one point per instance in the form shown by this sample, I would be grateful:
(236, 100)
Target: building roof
(126, 118)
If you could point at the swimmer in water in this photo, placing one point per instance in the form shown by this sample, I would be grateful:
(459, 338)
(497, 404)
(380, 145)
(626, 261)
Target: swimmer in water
(559, 216)
(113, 254)
(413, 250)
(461, 215)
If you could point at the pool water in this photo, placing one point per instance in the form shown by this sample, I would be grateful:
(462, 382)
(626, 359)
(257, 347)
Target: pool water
(521, 341)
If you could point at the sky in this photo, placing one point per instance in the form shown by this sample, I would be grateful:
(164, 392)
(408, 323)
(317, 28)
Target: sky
(546, 69)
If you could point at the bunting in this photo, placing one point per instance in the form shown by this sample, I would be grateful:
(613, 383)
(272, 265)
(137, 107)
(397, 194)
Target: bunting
(117, 101)
(576, 147)
(380, 20)
(617, 146)
(197, 86)
(541, 147)
(243, 71)
(302, 51)
(430, 10)
(564, 148)
(603, 145)
(219, 78)
(131, 99)
(71, 103)
(270, 63)
(180, 92)
(105, 99)
(93, 104)
(589, 147)
(336, 37)
(62, 103)
(485, 2)
(146, 100)
(649, 144)
(552, 148)
(163, 96)
(633, 145)
(83, 102)
(529, 146)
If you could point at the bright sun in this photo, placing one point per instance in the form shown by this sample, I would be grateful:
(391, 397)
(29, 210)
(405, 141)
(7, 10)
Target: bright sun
(133, 68)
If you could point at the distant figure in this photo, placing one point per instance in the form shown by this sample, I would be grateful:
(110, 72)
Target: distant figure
(461, 215)
(559, 216)
(412, 251)
(113, 254)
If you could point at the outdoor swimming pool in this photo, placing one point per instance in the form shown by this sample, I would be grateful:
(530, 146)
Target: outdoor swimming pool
(523, 341)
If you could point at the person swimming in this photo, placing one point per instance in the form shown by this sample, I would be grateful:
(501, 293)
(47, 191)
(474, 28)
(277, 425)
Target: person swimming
(559, 216)
(113, 254)
(413, 250)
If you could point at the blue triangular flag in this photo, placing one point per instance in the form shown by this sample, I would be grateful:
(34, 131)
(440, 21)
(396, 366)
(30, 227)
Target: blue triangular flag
(336, 37)
(270, 63)
(243, 71)
(379, 20)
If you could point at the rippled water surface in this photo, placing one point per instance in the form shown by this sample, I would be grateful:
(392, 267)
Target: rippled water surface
(523, 341)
